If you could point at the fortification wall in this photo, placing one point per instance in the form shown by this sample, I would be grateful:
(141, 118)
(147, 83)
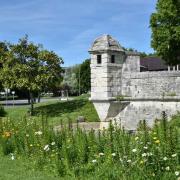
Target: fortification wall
(151, 84)
(135, 111)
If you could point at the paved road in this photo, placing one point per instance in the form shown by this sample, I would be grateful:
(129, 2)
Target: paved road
(24, 102)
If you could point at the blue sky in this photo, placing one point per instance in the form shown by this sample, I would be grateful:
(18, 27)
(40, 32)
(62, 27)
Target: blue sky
(69, 27)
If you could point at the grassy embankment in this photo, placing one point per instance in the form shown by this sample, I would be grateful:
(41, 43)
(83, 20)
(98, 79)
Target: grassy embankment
(57, 111)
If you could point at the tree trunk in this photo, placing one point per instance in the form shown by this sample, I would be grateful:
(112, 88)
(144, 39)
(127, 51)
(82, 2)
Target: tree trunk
(29, 99)
(39, 97)
(32, 103)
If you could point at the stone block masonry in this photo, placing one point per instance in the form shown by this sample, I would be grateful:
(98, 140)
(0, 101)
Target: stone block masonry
(115, 72)
(151, 84)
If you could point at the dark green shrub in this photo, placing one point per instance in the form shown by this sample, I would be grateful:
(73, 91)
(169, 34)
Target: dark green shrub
(2, 111)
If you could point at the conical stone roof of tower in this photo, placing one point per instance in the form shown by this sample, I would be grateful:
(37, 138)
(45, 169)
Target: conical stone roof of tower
(104, 43)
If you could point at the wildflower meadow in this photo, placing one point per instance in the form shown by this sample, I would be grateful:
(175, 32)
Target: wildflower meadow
(111, 153)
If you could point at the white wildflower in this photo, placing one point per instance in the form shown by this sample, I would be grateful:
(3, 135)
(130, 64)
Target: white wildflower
(129, 161)
(46, 147)
(113, 154)
(38, 133)
(12, 156)
(167, 168)
(136, 138)
(165, 158)
(134, 150)
(149, 154)
(101, 154)
(94, 161)
(177, 173)
(144, 155)
(145, 147)
(174, 155)
(53, 143)
(27, 135)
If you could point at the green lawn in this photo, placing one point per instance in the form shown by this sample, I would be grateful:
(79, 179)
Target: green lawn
(58, 111)
(21, 169)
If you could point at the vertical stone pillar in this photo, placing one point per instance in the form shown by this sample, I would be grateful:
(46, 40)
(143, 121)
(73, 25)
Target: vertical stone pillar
(169, 69)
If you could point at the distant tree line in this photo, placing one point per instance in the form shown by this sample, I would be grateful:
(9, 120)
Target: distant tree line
(142, 54)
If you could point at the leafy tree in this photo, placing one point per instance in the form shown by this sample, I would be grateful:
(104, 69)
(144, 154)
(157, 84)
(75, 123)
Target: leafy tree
(85, 79)
(29, 67)
(3, 55)
(165, 25)
(83, 74)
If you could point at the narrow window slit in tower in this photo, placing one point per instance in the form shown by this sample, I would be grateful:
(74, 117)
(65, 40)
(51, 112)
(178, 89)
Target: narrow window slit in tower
(112, 58)
(99, 59)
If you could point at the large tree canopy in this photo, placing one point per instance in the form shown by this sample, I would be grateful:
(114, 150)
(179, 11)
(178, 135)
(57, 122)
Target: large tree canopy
(29, 67)
(165, 25)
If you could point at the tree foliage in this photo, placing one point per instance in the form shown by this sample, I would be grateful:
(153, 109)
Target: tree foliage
(85, 79)
(77, 78)
(3, 55)
(165, 25)
(142, 54)
(29, 67)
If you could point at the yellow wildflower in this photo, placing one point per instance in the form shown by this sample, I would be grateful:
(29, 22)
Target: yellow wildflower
(141, 162)
(157, 141)
(154, 138)
(6, 134)
(136, 138)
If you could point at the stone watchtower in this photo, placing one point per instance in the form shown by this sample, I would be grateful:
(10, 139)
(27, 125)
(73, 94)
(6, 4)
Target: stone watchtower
(107, 57)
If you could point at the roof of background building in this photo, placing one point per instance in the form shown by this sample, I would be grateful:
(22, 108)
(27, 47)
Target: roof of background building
(106, 42)
(153, 64)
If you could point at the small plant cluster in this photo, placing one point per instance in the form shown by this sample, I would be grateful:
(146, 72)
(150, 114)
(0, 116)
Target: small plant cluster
(120, 98)
(108, 154)
(2, 111)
